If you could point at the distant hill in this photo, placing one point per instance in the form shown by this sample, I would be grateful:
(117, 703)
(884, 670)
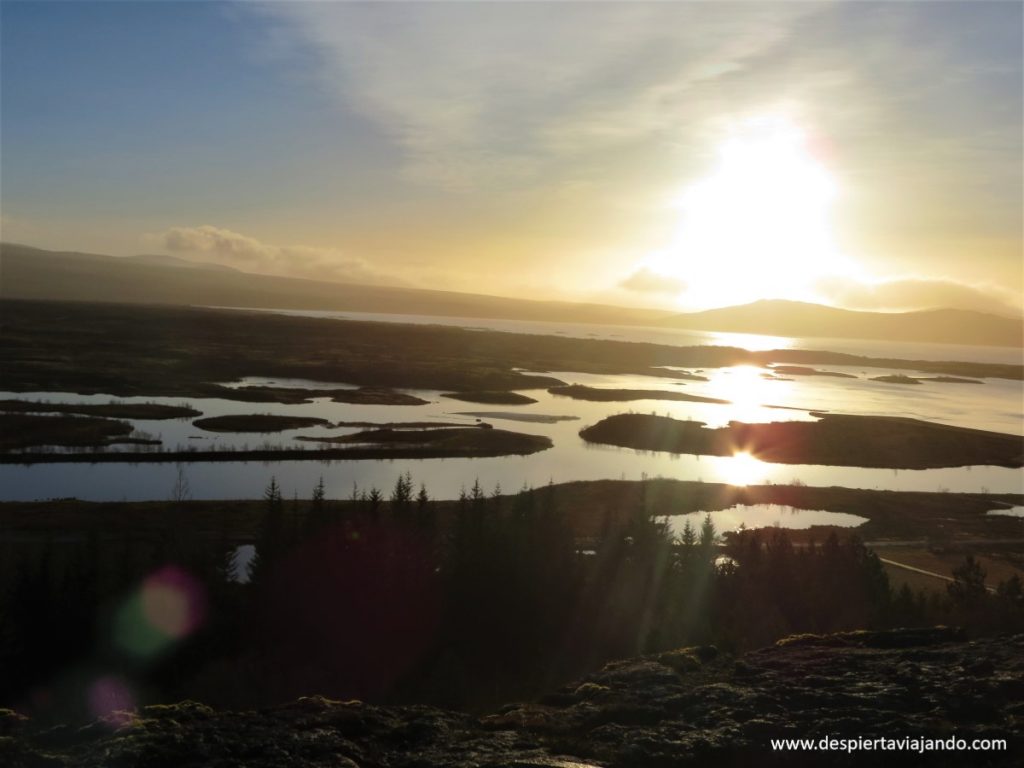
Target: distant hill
(33, 273)
(162, 260)
(794, 318)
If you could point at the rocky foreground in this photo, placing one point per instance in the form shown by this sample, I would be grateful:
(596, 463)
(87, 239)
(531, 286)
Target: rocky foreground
(691, 707)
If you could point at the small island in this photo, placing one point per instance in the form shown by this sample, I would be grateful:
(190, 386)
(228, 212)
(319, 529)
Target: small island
(23, 430)
(436, 442)
(153, 411)
(834, 440)
(801, 370)
(257, 422)
(595, 394)
(535, 418)
(297, 396)
(897, 378)
(951, 380)
(480, 440)
(490, 397)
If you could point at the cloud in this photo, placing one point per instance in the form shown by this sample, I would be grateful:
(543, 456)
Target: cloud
(478, 93)
(908, 293)
(645, 280)
(249, 254)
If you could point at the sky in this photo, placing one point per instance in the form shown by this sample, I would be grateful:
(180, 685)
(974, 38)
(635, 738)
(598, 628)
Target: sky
(676, 154)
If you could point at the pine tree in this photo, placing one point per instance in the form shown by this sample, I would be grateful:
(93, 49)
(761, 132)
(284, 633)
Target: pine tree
(373, 501)
(423, 507)
(401, 495)
(688, 538)
(708, 535)
(967, 590)
(270, 543)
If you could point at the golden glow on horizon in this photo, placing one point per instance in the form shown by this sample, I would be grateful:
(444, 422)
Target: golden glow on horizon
(754, 342)
(758, 226)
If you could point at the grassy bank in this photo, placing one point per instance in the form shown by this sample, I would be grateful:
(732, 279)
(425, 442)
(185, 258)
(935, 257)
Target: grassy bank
(447, 443)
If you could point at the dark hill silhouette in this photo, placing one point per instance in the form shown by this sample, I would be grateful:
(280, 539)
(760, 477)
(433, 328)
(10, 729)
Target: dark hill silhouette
(33, 273)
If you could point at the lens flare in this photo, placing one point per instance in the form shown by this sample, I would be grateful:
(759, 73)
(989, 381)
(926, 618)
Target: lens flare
(168, 606)
(111, 699)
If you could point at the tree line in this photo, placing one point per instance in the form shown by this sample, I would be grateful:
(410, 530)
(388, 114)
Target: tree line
(400, 598)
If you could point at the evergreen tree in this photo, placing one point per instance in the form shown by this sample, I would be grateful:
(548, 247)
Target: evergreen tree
(967, 590)
(270, 544)
(401, 496)
(373, 501)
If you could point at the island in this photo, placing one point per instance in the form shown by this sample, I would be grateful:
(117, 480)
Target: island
(153, 411)
(835, 439)
(596, 394)
(19, 431)
(256, 422)
(491, 397)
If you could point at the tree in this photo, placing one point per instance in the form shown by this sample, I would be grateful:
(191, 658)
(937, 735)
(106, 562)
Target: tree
(967, 590)
(180, 491)
(373, 501)
(401, 495)
(270, 544)
(688, 538)
(423, 507)
(708, 534)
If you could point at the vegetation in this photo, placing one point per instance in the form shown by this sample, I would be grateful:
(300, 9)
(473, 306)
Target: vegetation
(397, 598)
(951, 380)
(256, 422)
(903, 379)
(837, 440)
(537, 418)
(491, 398)
(590, 507)
(896, 378)
(384, 443)
(481, 440)
(298, 395)
(23, 430)
(800, 370)
(398, 424)
(178, 351)
(151, 411)
(582, 392)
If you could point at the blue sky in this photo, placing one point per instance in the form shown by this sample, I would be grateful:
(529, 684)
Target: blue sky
(514, 148)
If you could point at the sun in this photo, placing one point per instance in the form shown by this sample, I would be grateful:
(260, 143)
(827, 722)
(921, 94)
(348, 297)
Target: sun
(758, 226)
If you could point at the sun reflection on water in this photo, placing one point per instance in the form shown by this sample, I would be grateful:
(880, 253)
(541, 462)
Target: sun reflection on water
(753, 342)
(749, 391)
(743, 469)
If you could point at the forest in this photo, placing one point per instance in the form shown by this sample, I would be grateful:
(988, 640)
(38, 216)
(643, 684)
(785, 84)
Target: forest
(384, 598)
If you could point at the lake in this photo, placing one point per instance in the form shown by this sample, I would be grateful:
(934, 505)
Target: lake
(994, 405)
(901, 350)
(751, 516)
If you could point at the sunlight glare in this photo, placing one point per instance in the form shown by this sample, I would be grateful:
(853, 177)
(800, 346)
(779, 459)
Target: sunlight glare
(743, 469)
(758, 226)
(748, 391)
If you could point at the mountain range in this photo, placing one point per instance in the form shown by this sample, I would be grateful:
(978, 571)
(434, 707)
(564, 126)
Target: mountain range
(33, 273)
